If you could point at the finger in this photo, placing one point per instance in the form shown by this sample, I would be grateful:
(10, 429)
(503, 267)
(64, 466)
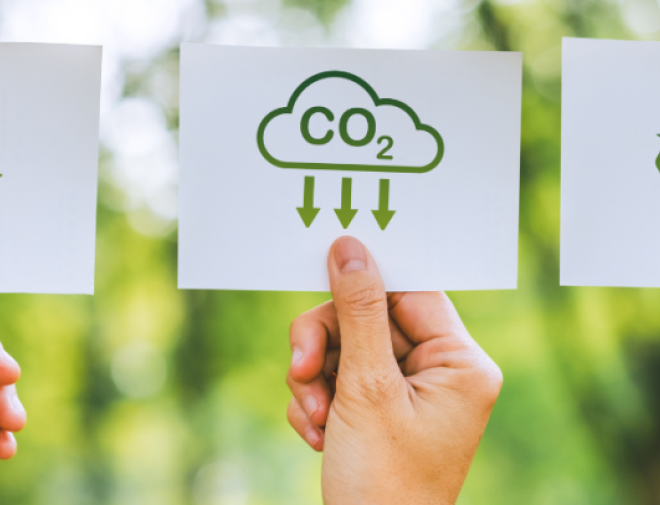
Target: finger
(437, 354)
(317, 332)
(402, 348)
(310, 335)
(7, 445)
(468, 372)
(12, 413)
(423, 316)
(9, 369)
(314, 397)
(400, 343)
(361, 303)
(304, 427)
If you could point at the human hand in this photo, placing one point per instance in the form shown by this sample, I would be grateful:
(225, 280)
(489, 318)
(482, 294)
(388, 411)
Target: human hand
(401, 419)
(12, 413)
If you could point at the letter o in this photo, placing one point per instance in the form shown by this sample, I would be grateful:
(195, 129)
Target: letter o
(304, 126)
(371, 127)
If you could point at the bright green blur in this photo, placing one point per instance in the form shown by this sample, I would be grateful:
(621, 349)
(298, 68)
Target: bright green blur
(146, 395)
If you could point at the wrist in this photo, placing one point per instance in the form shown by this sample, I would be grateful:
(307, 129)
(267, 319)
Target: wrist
(390, 491)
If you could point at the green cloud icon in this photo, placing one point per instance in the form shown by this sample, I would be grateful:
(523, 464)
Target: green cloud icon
(384, 141)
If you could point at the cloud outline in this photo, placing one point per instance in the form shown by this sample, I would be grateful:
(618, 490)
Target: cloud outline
(419, 126)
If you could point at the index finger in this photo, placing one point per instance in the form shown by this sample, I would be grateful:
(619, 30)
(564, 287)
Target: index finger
(310, 336)
(9, 369)
(423, 316)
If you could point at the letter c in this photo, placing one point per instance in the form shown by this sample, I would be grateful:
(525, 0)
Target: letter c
(304, 126)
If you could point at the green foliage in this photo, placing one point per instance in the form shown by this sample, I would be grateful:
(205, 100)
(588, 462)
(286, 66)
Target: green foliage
(146, 395)
(324, 10)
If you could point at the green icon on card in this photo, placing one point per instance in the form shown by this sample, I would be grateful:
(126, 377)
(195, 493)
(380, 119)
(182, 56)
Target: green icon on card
(657, 160)
(315, 137)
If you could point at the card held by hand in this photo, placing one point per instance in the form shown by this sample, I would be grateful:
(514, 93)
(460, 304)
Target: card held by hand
(49, 125)
(415, 153)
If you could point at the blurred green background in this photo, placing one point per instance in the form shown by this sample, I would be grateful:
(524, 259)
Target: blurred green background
(144, 394)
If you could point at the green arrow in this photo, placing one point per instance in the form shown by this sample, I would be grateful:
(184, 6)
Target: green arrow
(346, 214)
(384, 215)
(308, 212)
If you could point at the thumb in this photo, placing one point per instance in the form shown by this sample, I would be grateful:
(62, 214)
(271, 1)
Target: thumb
(361, 302)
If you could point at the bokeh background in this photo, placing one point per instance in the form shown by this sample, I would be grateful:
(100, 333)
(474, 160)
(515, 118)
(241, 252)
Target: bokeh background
(144, 394)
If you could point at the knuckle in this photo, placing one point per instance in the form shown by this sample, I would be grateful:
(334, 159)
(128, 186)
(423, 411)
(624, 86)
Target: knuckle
(366, 300)
(489, 380)
(289, 381)
(377, 388)
(290, 412)
(296, 325)
(481, 379)
(496, 379)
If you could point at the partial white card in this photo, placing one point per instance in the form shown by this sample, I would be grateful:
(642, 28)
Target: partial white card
(49, 125)
(610, 223)
(416, 153)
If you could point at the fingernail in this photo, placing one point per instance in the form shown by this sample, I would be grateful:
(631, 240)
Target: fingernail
(16, 405)
(310, 405)
(297, 356)
(312, 436)
(350, 254)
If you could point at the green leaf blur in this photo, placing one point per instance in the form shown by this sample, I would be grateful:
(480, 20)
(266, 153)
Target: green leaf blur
(148, 395)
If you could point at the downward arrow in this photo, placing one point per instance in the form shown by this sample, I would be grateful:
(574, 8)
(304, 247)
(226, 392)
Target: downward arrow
(384, 215)
(346, 214)
(308, 212)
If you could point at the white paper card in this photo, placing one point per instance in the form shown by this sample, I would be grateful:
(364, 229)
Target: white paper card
(610, 167)
(270, 135)
(49, 117)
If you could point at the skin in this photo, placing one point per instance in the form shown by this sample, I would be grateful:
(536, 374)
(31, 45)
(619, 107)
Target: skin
(391, 387)
(12, 413)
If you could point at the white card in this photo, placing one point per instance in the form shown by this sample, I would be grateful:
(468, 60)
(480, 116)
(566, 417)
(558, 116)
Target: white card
(268, 136)
(610, 167)
(49, 123)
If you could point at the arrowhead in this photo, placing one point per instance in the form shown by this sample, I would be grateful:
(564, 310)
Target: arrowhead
(346, 216)
(383, 217)
(308, 214)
